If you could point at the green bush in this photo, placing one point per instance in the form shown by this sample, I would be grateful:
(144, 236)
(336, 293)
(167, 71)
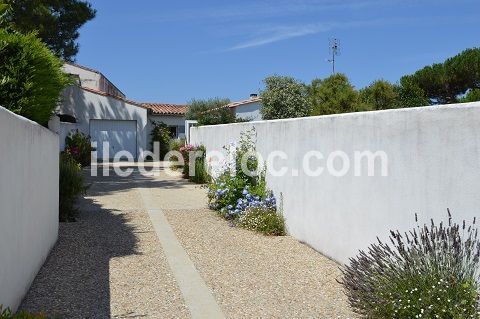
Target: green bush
(7, 314)
(71, 186)
(79, 146)
(160, 133)
(31, 78)
(264, 220)
(176, 145)
(430, 272)
(232, 186)
(201, 174)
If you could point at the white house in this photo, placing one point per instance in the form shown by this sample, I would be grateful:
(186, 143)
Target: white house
(96, 107)
(247, 109)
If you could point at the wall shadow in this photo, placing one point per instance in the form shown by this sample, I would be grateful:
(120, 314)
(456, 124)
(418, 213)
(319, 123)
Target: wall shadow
(74, 281)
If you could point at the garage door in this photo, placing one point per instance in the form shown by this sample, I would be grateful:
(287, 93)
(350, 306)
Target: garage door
(121, 136)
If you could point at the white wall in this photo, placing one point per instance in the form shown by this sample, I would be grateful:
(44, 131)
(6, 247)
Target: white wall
(28, 203)
(85, 106)
(249, 111)
(434, 163)
(88, 78)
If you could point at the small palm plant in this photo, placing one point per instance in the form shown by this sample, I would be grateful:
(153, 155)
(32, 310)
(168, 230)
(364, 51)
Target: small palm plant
(430, 272)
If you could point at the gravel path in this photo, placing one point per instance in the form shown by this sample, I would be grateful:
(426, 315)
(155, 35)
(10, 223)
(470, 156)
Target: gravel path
(109, 264)
(254, 276)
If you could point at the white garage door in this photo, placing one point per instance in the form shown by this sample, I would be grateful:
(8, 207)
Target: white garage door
(120, 135)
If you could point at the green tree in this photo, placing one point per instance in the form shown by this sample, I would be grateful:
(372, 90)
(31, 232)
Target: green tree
(410, 94)
(210, 111)
(471, 96)
(334, 95)
(56, 22)
(446, 82)
(381, 95)
(284, 97)
(31, 78)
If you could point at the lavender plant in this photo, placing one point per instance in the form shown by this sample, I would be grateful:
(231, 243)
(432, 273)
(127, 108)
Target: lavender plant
(429, 272)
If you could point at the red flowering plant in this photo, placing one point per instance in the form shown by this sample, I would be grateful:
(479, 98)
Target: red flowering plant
(79, 147)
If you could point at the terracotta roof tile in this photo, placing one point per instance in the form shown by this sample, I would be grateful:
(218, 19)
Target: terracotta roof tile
(166, 108)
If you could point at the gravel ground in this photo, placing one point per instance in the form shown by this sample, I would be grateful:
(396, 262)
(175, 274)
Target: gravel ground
(254, 276)
(109, 264)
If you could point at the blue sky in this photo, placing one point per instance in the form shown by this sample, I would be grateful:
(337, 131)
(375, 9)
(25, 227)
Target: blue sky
(173, 51)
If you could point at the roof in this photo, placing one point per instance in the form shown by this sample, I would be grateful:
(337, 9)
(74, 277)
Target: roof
(233, 105)
(166, 108)
(244, 102)
(112, 96)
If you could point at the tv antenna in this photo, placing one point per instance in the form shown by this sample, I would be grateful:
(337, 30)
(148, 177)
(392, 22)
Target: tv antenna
(334, 49)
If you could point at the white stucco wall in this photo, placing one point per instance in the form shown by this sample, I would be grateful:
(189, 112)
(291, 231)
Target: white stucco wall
(249, 111)
(88, 78)
(433, 163)
(85, 106)
(28, 203)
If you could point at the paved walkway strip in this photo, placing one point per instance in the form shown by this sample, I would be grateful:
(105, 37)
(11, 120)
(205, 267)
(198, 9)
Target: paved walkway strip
(198, 297)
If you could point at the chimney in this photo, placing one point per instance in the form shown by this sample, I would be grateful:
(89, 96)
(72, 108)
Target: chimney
(253, 95)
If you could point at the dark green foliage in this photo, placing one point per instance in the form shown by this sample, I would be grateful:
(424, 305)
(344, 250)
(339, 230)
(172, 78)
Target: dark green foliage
(71, 186)
(79, 146)
(471, 96)
(210, 112)
(430, 272)
(284, 97)
(380, 95)
(160, 133)
(55, 21)
(7, 314)
(30, 77)
(201, 174)
(447, 82)
(410, 94)
(334, 95)
(263, 220)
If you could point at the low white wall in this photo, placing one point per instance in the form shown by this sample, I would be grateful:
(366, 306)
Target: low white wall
(28, 203)
(433, 163)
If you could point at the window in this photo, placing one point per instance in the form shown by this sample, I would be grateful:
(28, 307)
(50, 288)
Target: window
(173, 131)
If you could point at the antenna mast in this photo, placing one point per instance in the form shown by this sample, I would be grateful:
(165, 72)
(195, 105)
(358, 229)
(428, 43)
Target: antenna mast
(334, 49)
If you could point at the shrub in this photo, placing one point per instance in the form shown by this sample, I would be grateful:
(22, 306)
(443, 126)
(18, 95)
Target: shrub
(160, 133)
(201, 174)
(176, 145)
(284, 97)
(7, 314)
(186, 151)
(210, 111)
(431, 272)
(31, 78)
(71, 186)
(79, 146)
(264, 220)
(228, 187)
